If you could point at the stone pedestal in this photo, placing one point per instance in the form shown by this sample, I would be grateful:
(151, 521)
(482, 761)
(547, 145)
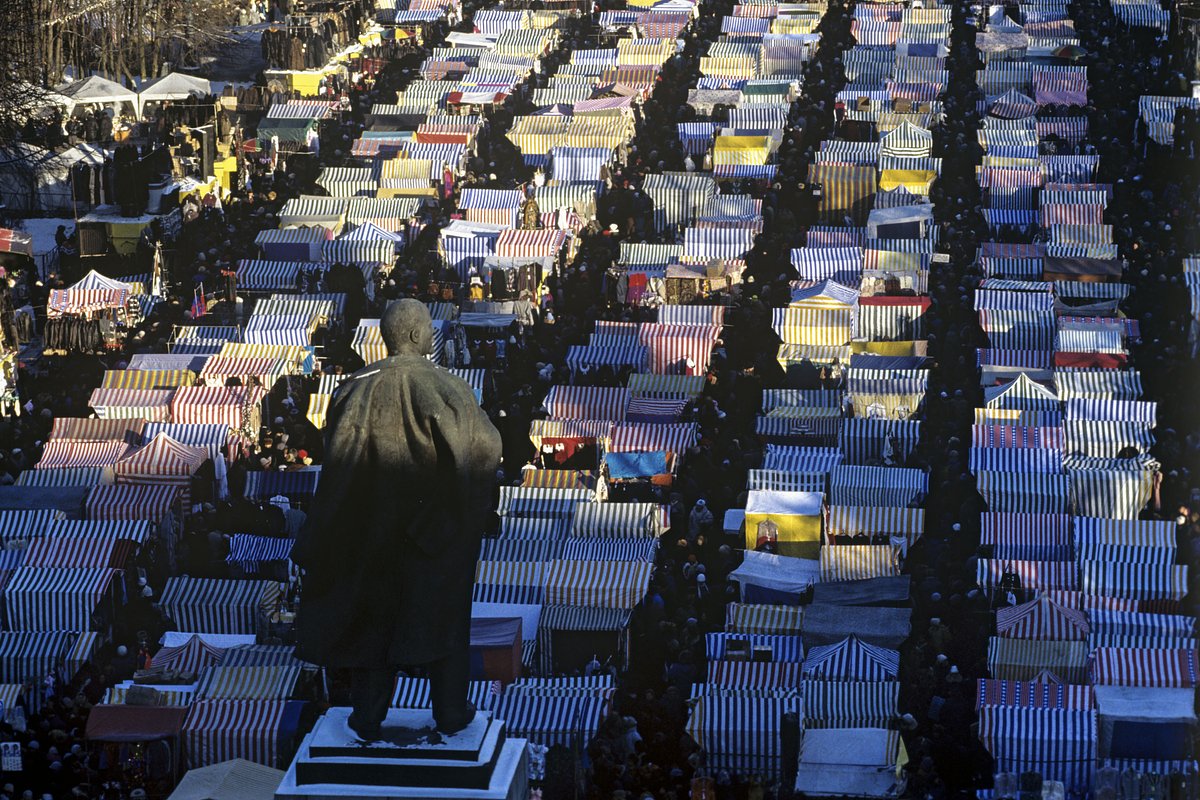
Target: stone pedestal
(411, 762)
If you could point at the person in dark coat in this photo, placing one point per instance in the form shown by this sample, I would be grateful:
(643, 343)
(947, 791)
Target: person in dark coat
(390, 545)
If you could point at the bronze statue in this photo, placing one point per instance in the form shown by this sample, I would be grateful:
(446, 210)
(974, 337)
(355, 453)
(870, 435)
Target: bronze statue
(530, 215)
(390, 545)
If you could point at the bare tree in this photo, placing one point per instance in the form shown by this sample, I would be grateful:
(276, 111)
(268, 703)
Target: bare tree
(40, 39)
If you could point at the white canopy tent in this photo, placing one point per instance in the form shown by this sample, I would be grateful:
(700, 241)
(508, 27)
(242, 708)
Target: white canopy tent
(97, 91)
(851, 762)
(175, 86)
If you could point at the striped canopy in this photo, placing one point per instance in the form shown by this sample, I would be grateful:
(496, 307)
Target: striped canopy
(69, 454)
(29, 656)
(1041, 618)
(849, 704)
(586, 403)
(92, 553)
(130, 502)
(858, 562)
(191, 657)
(1058, 743)
(851, 660)
(217, 605)
(603, 584)
(218, 730)
(742, 734)
(248, 683)
(55, 599)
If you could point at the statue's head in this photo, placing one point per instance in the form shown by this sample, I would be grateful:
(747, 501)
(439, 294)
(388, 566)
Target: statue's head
(407, 328)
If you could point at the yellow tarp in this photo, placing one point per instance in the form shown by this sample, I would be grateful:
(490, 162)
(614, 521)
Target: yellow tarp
(741, 143)
(799, 536)
(125, 235)
(885, 348)
(307, 82)
(915, 180)
(212, 186)
(225, 170)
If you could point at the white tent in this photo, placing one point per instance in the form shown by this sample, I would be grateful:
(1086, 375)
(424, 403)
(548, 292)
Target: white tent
(34, 100)
(89, 154)
(895, 223)
(230, 780)
(175, 86)
(94, 281)
(1135, 720)
(99, 91)
(34, 180)
(851, 762)
(779, 573)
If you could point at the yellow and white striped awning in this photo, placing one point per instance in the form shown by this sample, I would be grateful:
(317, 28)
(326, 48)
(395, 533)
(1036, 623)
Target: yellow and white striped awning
(406, 169)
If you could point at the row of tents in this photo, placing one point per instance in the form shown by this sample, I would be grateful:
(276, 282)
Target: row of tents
(812, 648)
(1089, 663)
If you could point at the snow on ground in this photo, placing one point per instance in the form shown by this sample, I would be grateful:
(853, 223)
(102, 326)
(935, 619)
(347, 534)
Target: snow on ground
(42, 231)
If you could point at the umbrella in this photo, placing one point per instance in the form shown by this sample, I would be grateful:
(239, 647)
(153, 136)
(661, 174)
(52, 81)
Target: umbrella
(1071, 51)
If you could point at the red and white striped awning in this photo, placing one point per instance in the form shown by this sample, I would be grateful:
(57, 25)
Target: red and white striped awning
(91, 429)
(214, 404)
(530, 244)
(162, 460)
(1042, 618)
(71, 454)
(679, 349)
(1160, 667)
(85, 301)
(587, 403)
(190, 657)
(129, 502)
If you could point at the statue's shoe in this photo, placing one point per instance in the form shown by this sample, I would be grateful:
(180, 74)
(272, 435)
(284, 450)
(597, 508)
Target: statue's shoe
(457, 722)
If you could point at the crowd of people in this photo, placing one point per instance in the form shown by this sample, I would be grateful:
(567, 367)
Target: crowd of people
(641, 749)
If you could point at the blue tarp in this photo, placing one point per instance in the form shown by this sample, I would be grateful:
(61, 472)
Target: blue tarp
(636, 465)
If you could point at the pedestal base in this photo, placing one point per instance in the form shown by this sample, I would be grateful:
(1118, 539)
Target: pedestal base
(411, 762)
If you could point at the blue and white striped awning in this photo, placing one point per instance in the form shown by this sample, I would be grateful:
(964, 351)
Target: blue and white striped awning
(876, 486)
(574, 549)
(249, 551)
(1111, 409)
(569, 164)
(29, 656)
(360, 251)
(217, 605)
(781, 648)
(274, 276)
(55, 598)
(414, 693)
(1058, 743)
(741, 734)
(547, 720)
(852, 660)
(759, 172)
(703, 244)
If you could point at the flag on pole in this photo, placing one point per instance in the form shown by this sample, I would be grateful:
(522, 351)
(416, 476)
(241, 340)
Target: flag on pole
(199, 307)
